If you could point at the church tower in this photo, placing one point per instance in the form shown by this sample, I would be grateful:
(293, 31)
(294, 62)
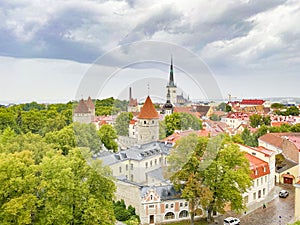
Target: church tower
(171, 85)
(148, 127)
(168, 107)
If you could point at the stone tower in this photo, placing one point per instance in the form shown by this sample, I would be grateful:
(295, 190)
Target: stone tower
(171, 85)
(148, 127)
(84, 112)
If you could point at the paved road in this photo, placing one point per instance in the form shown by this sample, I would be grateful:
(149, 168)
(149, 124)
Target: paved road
(279, 211)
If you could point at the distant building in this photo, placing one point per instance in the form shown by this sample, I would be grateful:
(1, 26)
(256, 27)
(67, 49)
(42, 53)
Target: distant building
(85, 111)
(133, 104)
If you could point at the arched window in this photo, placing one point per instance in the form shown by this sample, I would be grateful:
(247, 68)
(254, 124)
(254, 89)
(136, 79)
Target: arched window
(183, 214)
(169, 216)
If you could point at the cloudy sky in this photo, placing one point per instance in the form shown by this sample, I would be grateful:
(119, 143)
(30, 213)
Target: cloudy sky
(47, 47)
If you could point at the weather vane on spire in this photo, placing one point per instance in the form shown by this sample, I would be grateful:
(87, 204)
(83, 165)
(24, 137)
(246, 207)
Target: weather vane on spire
(148, 86)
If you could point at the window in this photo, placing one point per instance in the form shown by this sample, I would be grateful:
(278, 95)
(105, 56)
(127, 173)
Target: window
(151, 206)
(159, 159)
(131, 166)
(131, 177)
(146, 164)
(120, 169)
(261, 180)
(264, 191)
(185, 204)
(126, 167)
(183, 214)
(155, 161)
(254, 196)
(257, 182)
(151, 197)
(266, 178)
(145, 122)
(167, 206)
(151, 163)
(259, 194)
(181, 204)
(172, 205)
(169, 216)
(152, 121)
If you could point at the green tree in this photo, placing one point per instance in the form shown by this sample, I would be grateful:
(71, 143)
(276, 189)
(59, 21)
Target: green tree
(222, 107)
(86, 136)
(18, 200)
(32, 121)
(59, 190)
(63, 139)
(277, 106)
(187, 173)
(122, 123)
(228, 108)
(214, 117)
(255, 120)
(248, 138)
(162, 129)
(181, 121)
(107, 136)
(7, 119)
(228, 177)
(293, 111)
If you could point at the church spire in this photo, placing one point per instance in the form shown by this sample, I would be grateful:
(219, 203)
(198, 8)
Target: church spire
(171, 78)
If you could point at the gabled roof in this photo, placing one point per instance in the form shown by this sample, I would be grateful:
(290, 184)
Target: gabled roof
(90, 103)
(259, 167)
(148, 110)
(82, 107)
(272, 139)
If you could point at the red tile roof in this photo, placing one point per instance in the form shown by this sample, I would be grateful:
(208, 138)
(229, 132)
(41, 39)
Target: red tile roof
(82, 107)
(259, 167)
(90, 103)
(148, 110)
(252, 102)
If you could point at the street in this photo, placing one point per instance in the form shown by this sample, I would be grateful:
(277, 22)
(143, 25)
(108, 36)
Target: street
(278, 211)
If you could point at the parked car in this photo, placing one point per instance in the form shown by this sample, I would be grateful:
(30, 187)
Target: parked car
(231, 221)
(283, 193)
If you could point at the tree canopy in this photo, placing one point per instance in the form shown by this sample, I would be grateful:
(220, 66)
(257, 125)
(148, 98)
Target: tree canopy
(212, 174)
(181, 121)
(122, 123)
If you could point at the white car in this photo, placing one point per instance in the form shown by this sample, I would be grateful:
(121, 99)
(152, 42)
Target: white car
(231, 221)
(283, 193)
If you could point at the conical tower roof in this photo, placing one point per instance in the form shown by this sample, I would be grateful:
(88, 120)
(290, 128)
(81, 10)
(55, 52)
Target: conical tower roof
(148, 110)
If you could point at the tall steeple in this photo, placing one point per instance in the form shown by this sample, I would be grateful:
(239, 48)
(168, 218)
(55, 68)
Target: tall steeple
(171, 78)
(171, 87)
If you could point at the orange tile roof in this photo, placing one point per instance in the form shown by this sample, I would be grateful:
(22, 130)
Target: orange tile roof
(272, 139)
(258, 165)
(148, 110)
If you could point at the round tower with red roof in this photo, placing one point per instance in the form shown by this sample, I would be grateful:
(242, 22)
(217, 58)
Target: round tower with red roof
(148, 127)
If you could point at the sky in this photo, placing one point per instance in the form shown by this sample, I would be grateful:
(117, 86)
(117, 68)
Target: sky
(53, 51)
